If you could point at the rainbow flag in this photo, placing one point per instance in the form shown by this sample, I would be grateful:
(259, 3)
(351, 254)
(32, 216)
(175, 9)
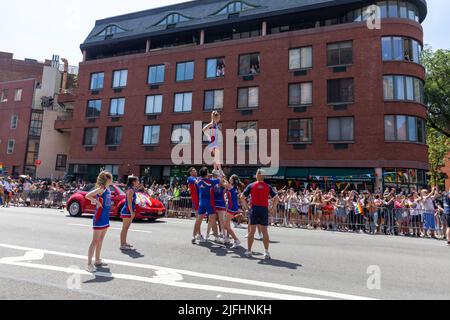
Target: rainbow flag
(359, 209)
(1, 168)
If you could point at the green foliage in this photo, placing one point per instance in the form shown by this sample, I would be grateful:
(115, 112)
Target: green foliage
(437, 89)
(439, 147)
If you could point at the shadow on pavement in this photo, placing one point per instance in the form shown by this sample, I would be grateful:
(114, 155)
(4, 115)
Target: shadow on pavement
(101, 279)
(134, 254)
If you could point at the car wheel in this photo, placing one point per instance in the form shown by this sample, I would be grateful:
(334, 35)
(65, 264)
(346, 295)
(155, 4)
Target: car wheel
(74, 209)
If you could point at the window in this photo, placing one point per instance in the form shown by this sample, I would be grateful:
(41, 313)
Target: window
(32, 152)
(183, 102)
(93, 108)
(151, 135)
(246, 126)
(97, 80)
(61, 162)
(114, 170)
(4, 95)
(340, 53)
(398, 9)
(36, 124)
(90, 136)
(404, 129)
(213, 100)
(249, 64)
(403, 88)
(117, 107)
(14, 121)
(113, 136)
(234, 7)
(215, 68)
(18, 95)
(248, 98)
(173, 18)
(156, 74)
(393, 9)
(300, 130)
(300, 94)
(120, 78)
(341, 129)
(185, 71)
(10, 147)
(154, 104)
(300, 58)
(401, 49)
(110, 31)
(340, 91)
(181, 133)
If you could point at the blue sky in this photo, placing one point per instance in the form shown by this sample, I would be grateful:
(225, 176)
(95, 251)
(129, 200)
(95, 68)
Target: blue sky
(38, 29)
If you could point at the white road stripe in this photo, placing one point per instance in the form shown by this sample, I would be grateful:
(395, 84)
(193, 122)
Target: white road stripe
(112, 228)
(277, 286)
(162, 281)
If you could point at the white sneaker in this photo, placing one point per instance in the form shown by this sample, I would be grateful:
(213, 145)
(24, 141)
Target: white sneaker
(208, 237)
(217, 239)
(246, 236)
(248, 254)
(236, 244)
(194, 240)
(267, 255)
(226, 240)
(91, 268)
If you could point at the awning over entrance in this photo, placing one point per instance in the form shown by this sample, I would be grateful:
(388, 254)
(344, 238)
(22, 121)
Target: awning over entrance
(331, 174)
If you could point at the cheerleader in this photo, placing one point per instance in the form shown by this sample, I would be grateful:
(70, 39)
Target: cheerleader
(211, 131)
(128, 212)
(233, 209)
(101, 197)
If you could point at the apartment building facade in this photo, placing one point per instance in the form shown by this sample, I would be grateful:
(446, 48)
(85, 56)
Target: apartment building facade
(347, 98)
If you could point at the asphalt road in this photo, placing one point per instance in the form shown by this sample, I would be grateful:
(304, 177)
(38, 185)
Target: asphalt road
(42, 256)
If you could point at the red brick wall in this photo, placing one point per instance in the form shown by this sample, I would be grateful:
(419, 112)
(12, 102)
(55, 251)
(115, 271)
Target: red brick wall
(12, 69)
(369, 150)
(23, 110)
(446, 170)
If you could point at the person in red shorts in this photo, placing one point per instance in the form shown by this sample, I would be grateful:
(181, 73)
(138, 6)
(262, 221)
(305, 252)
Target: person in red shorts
(193, 188)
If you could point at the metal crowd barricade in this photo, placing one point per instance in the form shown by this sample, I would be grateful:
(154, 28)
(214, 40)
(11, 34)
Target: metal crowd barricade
(381, 220)
(179, 208)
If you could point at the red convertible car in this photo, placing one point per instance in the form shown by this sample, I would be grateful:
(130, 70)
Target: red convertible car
(146, 207)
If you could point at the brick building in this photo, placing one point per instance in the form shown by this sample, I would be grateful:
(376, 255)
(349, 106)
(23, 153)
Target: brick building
(13, 69)
(348, 99)
(32, 97)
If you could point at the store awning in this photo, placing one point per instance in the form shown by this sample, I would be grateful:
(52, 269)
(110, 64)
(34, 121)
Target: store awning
(332, 174)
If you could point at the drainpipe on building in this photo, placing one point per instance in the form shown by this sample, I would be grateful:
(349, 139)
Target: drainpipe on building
(64, 81)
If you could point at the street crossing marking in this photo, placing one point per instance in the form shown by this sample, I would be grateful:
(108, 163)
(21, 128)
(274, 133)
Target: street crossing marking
(112, 228)
(168, 276)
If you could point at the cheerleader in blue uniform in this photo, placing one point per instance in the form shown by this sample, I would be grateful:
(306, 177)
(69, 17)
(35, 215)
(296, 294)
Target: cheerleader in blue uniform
(128, 212)
(233, 209)
(212, 131)
(101, 197)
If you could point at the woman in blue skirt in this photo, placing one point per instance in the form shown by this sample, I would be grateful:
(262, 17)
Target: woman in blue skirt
(101, 197)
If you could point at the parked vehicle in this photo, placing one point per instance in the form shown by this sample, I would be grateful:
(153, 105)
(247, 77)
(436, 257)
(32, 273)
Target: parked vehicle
(146, 206)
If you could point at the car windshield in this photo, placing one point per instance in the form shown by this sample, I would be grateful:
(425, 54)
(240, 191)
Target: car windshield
(121, 189)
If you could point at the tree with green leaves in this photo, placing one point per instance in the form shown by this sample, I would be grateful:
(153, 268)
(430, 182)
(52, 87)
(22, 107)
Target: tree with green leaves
(437, 89)
(438, 148)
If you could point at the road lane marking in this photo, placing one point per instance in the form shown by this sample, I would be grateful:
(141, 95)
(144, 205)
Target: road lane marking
(162, 278)
(277, 286)
(29, 256)
(112, 228)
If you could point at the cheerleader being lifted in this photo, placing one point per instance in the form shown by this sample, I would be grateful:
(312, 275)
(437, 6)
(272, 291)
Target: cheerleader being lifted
(211, 131)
